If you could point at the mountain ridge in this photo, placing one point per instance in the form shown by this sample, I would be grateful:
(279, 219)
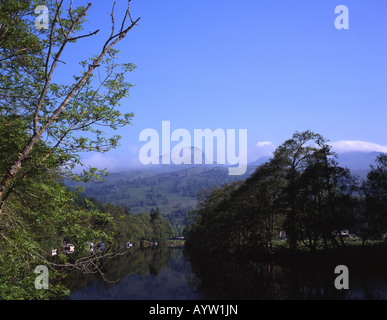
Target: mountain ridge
(173, 188)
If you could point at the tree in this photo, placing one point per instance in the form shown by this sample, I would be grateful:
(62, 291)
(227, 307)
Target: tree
(325, 199)
(44, 125)
(301, 190)
(375, 190)
(213, 222)
(20, 47)
(292, 157)
(263, 205)
(58, 112)
(161, 229)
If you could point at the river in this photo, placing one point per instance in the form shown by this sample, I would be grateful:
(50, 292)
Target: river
(164, 273)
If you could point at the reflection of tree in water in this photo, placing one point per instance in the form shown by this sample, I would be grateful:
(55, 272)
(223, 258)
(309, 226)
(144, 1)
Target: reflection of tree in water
(234, 280)
(164, 273)
(217, 279)
(149, 273)
(142, 262)
(177, 264)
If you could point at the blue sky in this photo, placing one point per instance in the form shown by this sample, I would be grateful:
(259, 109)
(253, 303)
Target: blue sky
(272, 67)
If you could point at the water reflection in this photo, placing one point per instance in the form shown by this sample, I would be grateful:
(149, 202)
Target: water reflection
(170, 274)
(142, 274)
(255, 281)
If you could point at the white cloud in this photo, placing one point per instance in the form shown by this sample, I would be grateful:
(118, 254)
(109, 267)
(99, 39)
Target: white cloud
(263, 149)
(262, 144)
(113, 162)
(356, 145)
(98, 160)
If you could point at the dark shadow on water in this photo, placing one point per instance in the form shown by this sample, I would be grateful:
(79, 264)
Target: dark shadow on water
(239, 279)
(171, 274)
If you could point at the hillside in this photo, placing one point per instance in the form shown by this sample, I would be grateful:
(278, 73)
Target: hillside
(174, 193)
(173, 189)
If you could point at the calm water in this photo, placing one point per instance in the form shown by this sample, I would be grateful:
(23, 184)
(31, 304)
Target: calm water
(143, 274)
(169, 274)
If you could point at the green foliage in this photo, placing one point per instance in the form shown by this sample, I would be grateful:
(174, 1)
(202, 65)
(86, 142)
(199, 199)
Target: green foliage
(374, 187)
(300, 192)
(44, 125)
(127, 227)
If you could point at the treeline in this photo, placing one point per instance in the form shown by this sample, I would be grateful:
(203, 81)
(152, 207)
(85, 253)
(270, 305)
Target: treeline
(125, 227)
(300, 195)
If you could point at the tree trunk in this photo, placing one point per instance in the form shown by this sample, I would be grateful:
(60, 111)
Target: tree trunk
(14, 169)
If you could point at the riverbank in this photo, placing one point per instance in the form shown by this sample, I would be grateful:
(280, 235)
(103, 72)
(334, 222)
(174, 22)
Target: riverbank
(371, 257)
(169, 243)
(172, 243)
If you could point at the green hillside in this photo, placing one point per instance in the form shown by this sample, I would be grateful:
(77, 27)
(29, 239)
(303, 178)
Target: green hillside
(174, 193)
(174, 189)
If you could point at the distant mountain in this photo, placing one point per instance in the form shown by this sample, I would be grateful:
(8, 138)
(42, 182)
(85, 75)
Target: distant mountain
(259, 161)
(174, 192)
(173, 188)
(358, 162)
(189, 155)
